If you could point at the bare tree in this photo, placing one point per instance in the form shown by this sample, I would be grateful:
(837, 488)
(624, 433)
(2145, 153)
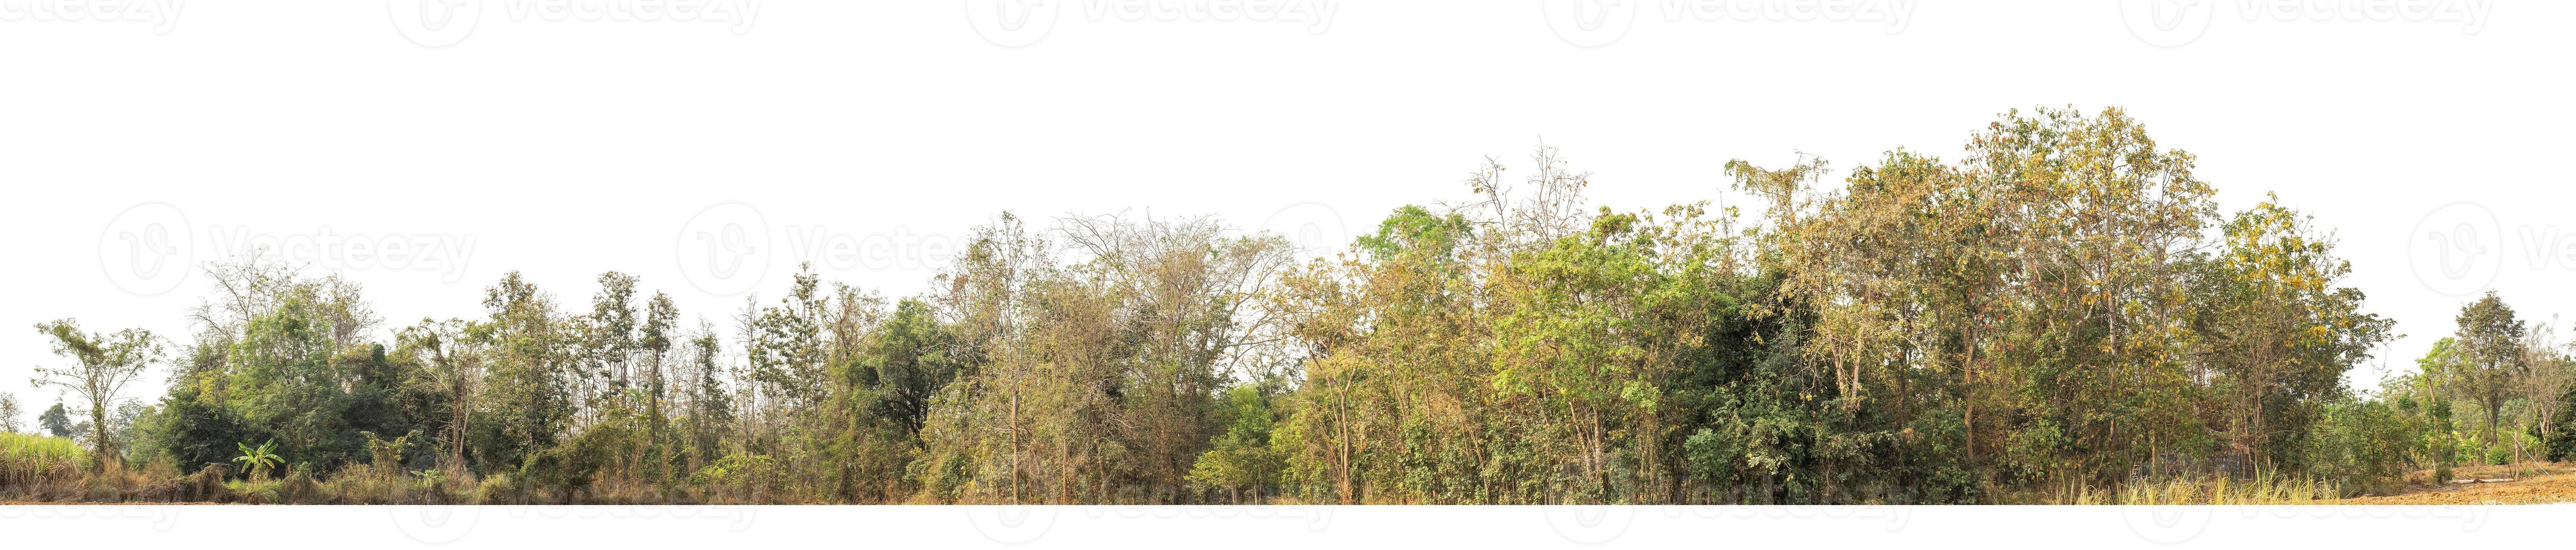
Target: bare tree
(2546, 379)
(9, 413)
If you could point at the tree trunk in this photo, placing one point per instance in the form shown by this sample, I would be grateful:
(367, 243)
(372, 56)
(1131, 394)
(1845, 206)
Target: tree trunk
(98, 430)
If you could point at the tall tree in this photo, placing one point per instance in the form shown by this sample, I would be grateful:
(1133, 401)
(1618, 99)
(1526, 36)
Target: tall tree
(2273, 331)
(454, 353)
(660, 331)
(532, 357)
(2490, 339)
(102, 365)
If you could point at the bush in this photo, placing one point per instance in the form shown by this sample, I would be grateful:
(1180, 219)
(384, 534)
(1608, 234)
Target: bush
(570, 468)
(206, 485)
(257, 492)
(2365, 446)
(752, 475)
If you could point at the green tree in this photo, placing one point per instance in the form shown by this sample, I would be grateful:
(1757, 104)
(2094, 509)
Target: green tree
(2273, 333)
(710, 402)
(2562, 439)
(660, 331)
(525, 381)
(102, 365)
(1241, 457)
(56, 421)
(453, 354)
(2490, 342)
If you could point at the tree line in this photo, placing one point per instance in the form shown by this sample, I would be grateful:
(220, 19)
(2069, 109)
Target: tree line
(2062, 306)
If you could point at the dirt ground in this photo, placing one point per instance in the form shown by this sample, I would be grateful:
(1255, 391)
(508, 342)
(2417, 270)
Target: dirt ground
(2531, 484)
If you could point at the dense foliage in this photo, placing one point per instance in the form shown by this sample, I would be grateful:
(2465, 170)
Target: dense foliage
(2060, 308)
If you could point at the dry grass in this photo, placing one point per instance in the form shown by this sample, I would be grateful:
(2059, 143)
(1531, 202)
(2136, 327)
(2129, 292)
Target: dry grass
(2528, 483)
(2263, 488)
(38, 469)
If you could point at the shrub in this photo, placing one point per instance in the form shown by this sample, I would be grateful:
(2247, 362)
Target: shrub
(753, 474)
(571, 467)
(2365, 446)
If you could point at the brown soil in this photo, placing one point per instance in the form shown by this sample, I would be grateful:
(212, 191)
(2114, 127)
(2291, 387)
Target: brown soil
(2531, 484)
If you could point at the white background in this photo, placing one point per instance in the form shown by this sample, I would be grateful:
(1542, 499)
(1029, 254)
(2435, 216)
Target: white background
(564, 148)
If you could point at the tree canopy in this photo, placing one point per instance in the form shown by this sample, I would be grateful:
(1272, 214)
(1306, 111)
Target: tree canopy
(2061, 306)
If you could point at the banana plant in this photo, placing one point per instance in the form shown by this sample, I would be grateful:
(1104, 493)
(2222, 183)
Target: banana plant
(429, 478)
(259, 460)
